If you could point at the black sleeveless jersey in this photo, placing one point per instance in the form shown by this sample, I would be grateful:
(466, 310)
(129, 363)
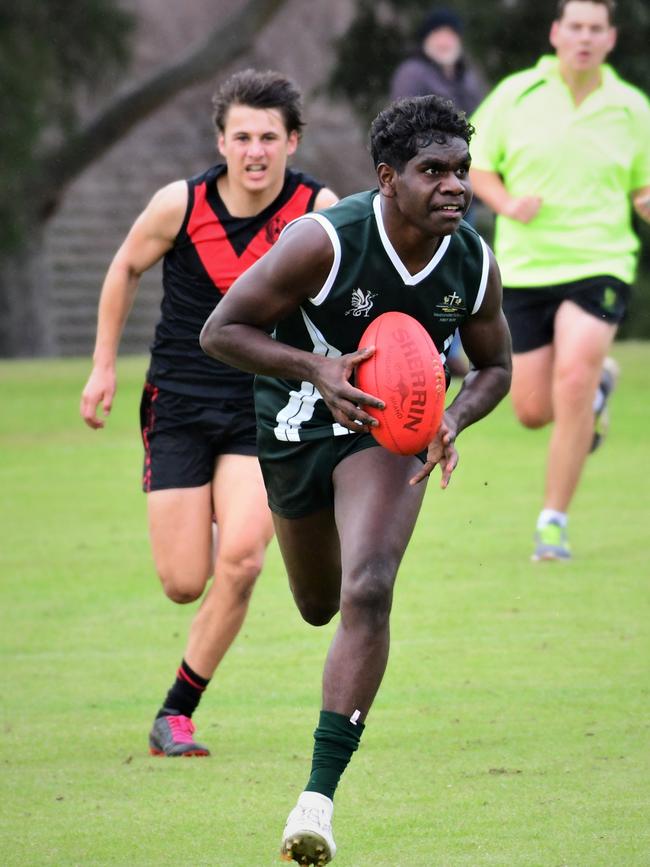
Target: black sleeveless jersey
(211, 250)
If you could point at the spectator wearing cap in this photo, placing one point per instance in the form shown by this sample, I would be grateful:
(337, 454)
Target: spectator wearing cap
(440, 65)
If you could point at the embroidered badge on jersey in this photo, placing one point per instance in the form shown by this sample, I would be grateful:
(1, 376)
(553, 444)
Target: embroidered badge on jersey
(361, 303)
(451, 308)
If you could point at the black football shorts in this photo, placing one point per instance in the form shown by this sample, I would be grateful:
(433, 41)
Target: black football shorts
(298, 476)
(183, 436)
(531, 311)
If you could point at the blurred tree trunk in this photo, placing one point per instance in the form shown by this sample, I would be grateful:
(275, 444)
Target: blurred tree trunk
(25, 329)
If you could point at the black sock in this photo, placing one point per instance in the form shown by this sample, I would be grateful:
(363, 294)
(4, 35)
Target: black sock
(336, 739)
(185, 694)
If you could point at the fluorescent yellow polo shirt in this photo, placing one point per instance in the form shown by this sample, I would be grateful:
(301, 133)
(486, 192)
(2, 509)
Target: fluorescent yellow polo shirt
(583, 161)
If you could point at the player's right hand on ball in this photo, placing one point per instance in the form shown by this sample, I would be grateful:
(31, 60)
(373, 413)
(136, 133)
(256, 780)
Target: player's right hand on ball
(343, 399)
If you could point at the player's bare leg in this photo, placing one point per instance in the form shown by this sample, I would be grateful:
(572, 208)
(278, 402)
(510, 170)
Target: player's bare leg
(238, 499)
(180, 532)
(581, 344)
(244, 529)
(375, 513)
(310, 549)
(557, 383)
(530, 391)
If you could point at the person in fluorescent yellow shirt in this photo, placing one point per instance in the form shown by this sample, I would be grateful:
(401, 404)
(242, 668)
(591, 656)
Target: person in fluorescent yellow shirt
(562, 155)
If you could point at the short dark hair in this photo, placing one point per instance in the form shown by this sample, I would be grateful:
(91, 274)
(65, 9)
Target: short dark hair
(610, 5)
(257, 89)
(407, 125)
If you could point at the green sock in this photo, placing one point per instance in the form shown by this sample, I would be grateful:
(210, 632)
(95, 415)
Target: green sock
(336, 739)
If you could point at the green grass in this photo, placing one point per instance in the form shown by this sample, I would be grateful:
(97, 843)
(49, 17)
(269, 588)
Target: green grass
(513, 725)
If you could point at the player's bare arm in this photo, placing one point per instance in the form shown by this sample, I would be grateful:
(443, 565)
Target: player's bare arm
(641, 202)
(150, 237)
(237, 331)
(486, 340)
(491, 189)
(325, 199)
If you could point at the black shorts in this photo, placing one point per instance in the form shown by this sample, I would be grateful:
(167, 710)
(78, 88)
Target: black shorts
(531, 312)
(183, 436)
(298, 476)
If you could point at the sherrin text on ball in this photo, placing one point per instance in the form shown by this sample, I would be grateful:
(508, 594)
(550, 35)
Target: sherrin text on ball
(407, 374)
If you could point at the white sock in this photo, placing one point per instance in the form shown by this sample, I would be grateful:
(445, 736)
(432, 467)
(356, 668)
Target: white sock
(599, 400)
(548, 515)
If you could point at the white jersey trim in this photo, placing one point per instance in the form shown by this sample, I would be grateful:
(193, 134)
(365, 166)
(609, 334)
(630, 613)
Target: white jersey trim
(408, 278)
(482, 286)
(301, 404)
(445, 347)
(324, 291)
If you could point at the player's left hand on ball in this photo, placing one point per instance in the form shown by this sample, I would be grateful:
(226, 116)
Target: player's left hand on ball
(441, 451)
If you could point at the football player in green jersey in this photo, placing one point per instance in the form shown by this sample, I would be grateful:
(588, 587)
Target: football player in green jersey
(331, 487)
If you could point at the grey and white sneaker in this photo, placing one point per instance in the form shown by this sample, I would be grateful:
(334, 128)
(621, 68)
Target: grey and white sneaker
(608, 380)
(173, 735)
(551, 543)
(307, 837)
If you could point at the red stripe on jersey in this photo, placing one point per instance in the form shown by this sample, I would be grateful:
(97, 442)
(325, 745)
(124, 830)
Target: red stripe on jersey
(215, 251)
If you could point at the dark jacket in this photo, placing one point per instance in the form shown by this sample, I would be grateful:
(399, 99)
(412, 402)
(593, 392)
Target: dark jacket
(420, 76)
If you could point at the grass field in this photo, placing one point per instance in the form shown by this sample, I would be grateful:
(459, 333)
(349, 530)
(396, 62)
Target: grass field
(513, 725)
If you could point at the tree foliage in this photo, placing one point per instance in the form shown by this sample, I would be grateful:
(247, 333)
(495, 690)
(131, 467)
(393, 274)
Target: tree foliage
(52, 54)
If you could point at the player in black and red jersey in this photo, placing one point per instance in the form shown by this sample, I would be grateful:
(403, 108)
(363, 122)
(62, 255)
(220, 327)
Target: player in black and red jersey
(197, 414)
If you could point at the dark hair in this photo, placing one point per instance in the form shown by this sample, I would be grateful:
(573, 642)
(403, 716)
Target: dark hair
(256, 89)
(610, 5)
(407, 125)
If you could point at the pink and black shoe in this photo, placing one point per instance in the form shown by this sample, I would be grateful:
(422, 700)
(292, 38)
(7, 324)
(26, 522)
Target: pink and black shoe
(171, 735)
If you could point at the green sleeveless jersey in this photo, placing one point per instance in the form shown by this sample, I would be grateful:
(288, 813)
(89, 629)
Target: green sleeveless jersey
(367, 279)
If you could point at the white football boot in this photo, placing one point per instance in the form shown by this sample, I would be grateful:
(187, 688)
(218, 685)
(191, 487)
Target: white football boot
(307, 837)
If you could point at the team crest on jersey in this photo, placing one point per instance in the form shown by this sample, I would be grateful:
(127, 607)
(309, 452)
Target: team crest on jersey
(273, 228)
(451, 308)
(361, 303)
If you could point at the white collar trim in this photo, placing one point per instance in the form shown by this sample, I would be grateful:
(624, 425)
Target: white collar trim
(408, 278)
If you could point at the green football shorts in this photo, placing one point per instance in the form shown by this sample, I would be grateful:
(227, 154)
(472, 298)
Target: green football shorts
(298, 476)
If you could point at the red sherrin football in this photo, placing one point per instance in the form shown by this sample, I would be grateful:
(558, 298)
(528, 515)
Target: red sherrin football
(407, 373)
